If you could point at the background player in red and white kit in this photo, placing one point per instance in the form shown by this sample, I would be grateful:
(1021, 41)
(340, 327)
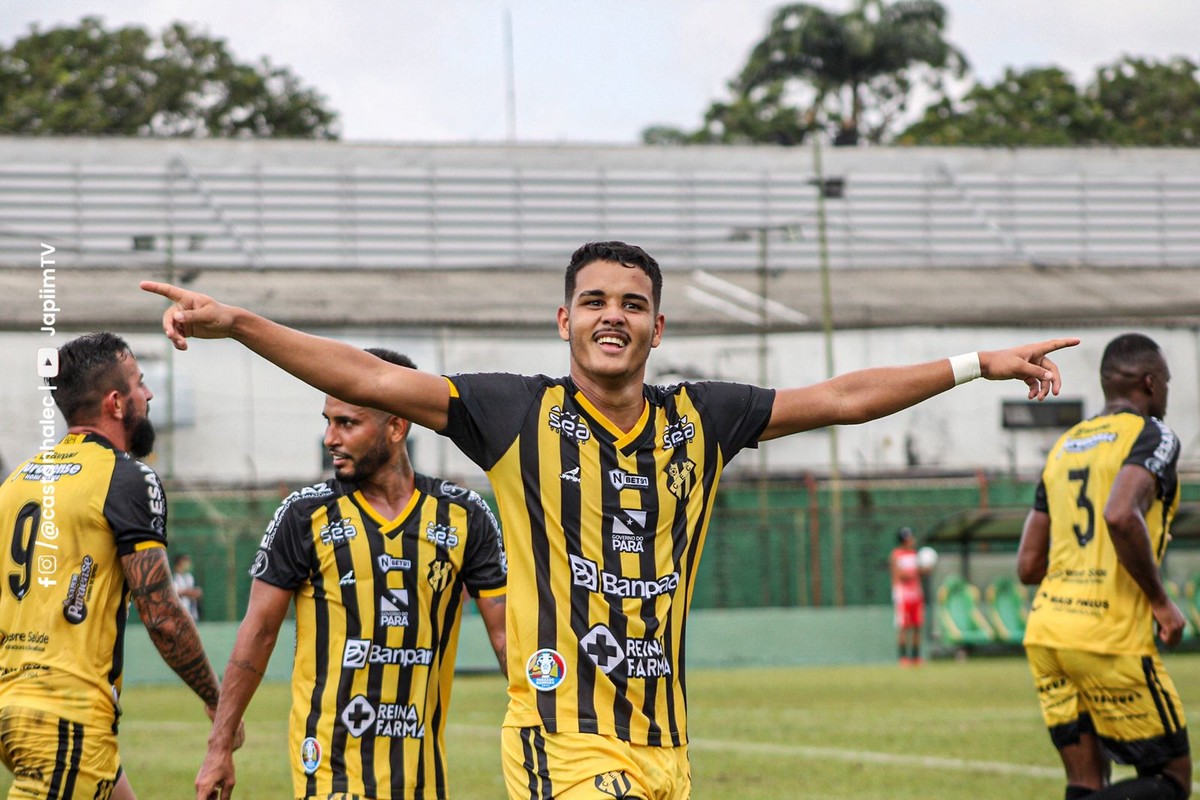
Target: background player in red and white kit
(907, 596)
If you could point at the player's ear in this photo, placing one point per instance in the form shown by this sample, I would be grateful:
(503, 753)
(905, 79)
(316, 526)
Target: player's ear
(564, 318)
(660, 322)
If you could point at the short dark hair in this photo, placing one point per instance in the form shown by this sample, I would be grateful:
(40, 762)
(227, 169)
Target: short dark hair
(392, 357)
(1129, 352)
(89, 367)
(629, 255)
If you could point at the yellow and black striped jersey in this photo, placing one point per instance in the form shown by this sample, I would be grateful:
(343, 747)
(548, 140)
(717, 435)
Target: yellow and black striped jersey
(1088, 601)
(603, 531)
(378, 607)
(67, 516)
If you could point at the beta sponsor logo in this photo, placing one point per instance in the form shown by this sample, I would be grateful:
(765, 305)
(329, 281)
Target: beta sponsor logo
(75, 606)
(49, 473)
(569, 426)
(587, 573)
(636, 658)
(359, 653)
(310, 755)
(391, 563)
(677, 434)
(394, 720)
(546, 669)
(620, 479)
(337, 532)
(443, 535)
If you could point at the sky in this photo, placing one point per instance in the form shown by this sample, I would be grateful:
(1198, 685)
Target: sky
(585, 71)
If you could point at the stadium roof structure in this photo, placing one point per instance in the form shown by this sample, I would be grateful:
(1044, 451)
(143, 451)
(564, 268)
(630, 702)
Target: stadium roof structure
(327, 234)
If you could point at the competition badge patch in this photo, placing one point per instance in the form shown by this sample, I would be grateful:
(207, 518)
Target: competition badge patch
(546, 669)
(310, 755)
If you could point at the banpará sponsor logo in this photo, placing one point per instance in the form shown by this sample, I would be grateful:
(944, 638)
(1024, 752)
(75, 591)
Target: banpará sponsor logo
(359, 653)
(587, 573)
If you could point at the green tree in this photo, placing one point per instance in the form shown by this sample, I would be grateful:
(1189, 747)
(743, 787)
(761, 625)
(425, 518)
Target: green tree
(1132, 102)
(852, 74)
(1039, 107)
(126, 82)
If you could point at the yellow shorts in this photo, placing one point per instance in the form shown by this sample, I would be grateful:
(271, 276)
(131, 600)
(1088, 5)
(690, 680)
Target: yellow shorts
(53, 757)
(1128, 701)
(588, 766)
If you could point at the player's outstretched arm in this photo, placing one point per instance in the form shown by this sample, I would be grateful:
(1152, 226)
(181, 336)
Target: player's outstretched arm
(869, 394)
(334, 367)
(247, 665)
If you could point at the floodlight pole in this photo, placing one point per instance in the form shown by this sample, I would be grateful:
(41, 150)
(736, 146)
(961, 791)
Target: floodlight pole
(835, 472)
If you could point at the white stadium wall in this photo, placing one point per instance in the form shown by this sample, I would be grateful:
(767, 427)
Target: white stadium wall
(244, 421)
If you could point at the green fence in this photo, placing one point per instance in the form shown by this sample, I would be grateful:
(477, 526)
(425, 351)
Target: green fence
(802, 543)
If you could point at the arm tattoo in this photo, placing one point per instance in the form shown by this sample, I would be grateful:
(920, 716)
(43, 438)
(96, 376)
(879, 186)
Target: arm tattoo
(170, 626)
(242, 663)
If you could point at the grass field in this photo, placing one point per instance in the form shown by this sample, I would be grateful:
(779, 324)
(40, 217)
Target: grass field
(947, 729)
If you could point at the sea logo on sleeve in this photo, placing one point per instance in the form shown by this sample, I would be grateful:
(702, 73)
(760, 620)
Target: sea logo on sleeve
(358, 715)
(260, 564)
(393, 608)
(629, 531)
(440, 573)
(616, 784)
(569, 426)
(602, 648)
(443, 535)
(75, 606)
(681, 477)
(677, 434)
(310, 755)
(621, 479)
(546, 670)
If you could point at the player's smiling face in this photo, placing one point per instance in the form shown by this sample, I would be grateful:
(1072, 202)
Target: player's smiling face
(611, 323)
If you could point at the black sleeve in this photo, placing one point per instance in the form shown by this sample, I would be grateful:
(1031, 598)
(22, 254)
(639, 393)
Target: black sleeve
(1040, 501)
(737, 412)
(284, 557)
(136, 506)
(486, 413)
(485, 566)
(1157, 450)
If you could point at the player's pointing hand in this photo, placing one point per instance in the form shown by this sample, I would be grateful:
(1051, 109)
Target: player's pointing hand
(1029, 363)
(192, 315)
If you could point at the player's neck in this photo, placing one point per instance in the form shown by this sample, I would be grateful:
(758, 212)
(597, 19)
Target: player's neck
(621, 401)
(114, 434)
(1119, 404)
(390, 489)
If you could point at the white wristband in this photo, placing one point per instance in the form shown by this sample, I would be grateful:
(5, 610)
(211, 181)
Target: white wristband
(965, 367)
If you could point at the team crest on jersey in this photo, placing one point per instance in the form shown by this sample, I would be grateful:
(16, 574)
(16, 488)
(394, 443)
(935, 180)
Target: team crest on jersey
(310, 755)
(569, 426)
(546, 670)
(75, 606)
(616, 784)
(681, 476)
(439, 574)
